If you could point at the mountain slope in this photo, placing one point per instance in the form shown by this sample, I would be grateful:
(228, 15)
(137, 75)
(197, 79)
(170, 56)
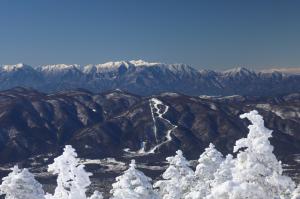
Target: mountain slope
(117, 123)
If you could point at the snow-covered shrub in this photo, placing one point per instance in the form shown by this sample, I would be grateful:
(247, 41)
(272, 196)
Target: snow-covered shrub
(133, 184)
(20, 184)
(208, 164)
(177, 179)
(72, 179)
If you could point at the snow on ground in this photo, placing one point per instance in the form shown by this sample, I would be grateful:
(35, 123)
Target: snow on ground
(268, 107)
(283, 114)
(158, 110)
(110, 164)
(213, 106)
(143, 149)
(297, 158)
(151, 167)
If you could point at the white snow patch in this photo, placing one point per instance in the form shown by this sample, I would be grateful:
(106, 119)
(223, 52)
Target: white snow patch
(142, 150)
(297, 158)
(213, 106)
(169, 94)
(111, 164)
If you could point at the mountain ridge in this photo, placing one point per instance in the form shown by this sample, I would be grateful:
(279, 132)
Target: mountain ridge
(145, 78)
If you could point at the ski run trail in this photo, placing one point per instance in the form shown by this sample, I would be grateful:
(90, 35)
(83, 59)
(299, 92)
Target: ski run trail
(155, 105)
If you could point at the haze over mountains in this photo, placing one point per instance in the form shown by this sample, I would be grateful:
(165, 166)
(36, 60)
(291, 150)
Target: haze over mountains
(143, 78)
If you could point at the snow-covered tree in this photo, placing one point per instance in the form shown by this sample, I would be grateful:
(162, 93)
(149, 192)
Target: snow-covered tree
(232, 190)
(208, 164)
(96, 195)
(133, 184)
(223, 173)
(72, 179)
(177, 179)
(296, 193)
(256, 172)
(20, 184)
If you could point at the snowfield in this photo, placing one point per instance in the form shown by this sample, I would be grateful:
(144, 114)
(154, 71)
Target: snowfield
(253, 172)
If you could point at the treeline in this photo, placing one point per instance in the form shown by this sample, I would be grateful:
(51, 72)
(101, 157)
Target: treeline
(254, 173)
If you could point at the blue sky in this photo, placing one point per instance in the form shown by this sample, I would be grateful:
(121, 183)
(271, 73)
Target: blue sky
(214, 34)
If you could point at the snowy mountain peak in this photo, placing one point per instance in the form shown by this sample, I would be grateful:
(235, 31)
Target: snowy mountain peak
(107, 67)
(241, 71)
(21, 65)
(115, 65)
(127, 64)
(59, 67)
(143, 63)
(10, 68)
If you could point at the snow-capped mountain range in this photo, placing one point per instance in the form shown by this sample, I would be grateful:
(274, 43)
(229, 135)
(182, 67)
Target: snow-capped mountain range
(146, 78)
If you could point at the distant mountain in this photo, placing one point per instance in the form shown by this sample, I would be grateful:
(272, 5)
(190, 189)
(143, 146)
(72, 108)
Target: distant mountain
(19, 75)
(283, 70)
(143, 78)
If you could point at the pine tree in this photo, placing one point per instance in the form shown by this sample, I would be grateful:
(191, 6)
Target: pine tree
(208, 164)
(72, 179)
(177, 179)
(133, 184)
(20, 184)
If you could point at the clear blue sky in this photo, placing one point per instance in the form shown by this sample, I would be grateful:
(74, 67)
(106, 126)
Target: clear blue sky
(213, 34)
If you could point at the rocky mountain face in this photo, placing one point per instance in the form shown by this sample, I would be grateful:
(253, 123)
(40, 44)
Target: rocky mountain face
(116, 123)
(145, 78)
